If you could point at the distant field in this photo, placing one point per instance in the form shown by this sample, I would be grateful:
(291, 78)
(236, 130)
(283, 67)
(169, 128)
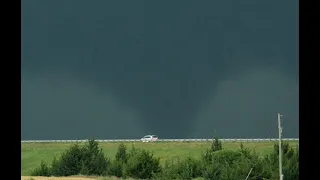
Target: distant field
(33, 153)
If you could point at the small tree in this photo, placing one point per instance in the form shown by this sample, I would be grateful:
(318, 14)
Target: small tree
(216, 145)
(116, 166)
(141, 164)
(93, 162)
(69, 163)
(86, 160)
(121, 154)
(43, 170)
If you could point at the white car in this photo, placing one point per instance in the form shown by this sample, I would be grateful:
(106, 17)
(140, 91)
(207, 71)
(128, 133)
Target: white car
(149, 138)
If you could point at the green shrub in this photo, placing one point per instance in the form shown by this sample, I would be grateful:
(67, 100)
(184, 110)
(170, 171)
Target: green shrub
(116, 168)
(227, 164)
(141, 164)
(240, 168)
(190, 168)
(215, 163)
(216, 145)
(212, 171)
(226, 157)
(43, 170)
(70, 162)
(93, 160)
(285, 147)
(252, 159)
(87, 160)
(291, 167)
(166, 172)
(187, 168)
(290, 162)
(121, 154)
(208, 154)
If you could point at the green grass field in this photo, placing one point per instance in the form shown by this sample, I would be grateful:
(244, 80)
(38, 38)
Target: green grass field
(33, 153)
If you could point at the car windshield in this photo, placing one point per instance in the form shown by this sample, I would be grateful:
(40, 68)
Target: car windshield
(146, 137)
(155, 136)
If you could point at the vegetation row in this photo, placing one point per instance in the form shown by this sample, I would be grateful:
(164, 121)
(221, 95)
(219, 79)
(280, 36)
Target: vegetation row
(215, 163)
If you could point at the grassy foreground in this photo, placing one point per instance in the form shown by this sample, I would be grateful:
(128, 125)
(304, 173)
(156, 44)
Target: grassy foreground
(75, 178)
(33, 153)
(70, 178)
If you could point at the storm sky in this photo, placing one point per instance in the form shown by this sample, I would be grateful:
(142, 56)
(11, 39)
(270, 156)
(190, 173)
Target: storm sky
(177, 69)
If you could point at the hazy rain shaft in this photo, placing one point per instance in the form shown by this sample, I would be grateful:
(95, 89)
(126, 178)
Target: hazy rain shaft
(178, 69)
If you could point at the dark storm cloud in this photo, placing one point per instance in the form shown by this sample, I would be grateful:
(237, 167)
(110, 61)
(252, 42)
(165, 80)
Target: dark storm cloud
(65, 108)
(247, 106)
(169, 63)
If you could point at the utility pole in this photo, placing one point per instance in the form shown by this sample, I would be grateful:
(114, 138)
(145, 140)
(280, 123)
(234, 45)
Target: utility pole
(280, 149)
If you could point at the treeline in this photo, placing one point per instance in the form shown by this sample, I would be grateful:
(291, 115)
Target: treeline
(215, 163)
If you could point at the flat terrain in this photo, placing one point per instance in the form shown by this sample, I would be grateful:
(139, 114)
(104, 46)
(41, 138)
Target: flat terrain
(33, 153)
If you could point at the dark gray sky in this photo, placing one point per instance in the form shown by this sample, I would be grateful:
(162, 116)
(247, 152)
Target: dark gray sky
(178, 69)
